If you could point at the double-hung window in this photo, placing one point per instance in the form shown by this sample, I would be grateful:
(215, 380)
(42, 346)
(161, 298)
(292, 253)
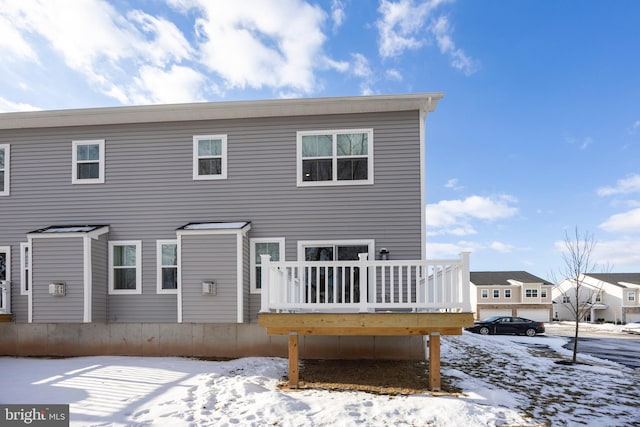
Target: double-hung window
(484, 293)
(25, 266)
(167, 261)
(507, 293)
(566, 299)
(125, 269)
(631, 296)
(496, 293)
(338, 157)
(5, 263)
(4, 169)
(88, 162)
(531, 293)
(264, 246)
(543, 293)
(209, 157)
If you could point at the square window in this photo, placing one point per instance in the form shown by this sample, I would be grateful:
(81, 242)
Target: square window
(167, 266)
(88, 162)
(335, 157)
(125, 272)
(209, 157)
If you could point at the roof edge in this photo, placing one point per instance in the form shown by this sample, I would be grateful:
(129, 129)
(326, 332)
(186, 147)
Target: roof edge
(425, 102)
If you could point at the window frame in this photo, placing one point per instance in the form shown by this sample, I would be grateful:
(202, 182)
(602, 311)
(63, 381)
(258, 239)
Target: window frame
(484, 293)
(631, 296)
(544, 293)
(507, 293)
(302, 244)
(223, 157)
(496, 293)
(25, 260)
(534, 293)
(6, 170)
(252, 255)
(7, 251)
(74, 161)
(138, 266)
(160, 266)
(566, 299)
(334, 158)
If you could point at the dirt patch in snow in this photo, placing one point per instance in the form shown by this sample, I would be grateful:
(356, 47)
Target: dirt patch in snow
(391, 377)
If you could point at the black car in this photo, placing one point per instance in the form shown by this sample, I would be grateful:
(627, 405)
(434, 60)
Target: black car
(507, 325)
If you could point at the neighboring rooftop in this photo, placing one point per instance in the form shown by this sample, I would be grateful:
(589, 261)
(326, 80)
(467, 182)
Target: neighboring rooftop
(618, 279)
(221, 110)
(483, 278)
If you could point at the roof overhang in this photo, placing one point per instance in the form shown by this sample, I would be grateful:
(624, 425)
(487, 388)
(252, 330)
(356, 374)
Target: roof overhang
(424, 102)
(214, 227)
(55, 231)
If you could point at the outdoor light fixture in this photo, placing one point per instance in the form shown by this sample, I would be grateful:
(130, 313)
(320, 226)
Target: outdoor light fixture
(384, 254)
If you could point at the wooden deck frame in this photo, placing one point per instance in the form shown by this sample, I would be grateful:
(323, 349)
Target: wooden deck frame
(433, 325)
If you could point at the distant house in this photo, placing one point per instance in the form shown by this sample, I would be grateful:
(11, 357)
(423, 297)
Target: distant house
(511, 293)
(608, 297)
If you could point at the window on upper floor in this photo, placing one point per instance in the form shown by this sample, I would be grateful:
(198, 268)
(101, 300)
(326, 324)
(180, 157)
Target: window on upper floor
(496, 293)
(125, 269)
(335, 157)
(531, 293)
(543, 293)
(507, 293)
(167, 266)
(88, 162)
(209, 157)
(264, 246)
(631, 296)
(598, 297)
(484, 293)
(4, 169)
(566, 299)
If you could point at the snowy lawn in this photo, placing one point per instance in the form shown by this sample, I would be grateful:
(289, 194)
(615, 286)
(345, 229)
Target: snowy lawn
(504, 381)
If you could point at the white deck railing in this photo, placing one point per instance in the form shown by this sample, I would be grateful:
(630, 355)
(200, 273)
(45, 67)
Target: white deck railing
(5, 297)
(365, 285)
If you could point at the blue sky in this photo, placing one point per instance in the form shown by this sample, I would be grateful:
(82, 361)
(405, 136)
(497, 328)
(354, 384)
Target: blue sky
(538, 132)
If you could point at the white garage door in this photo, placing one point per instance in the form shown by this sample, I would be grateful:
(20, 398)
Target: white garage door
(633, 317)
(539, 315)
(485, 313)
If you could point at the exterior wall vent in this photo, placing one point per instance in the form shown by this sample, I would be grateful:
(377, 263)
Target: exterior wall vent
(56, 289)
(209, 288)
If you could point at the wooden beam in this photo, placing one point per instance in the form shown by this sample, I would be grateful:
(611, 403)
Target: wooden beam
(293, 360)
(434, 361)
(366, 331)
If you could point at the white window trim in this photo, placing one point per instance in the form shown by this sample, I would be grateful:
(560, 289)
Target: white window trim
(302, 244)
(493, 293)
(537, 295)
(566, 299)
(507, 293)
(6, 191)
(7, 250)
(101, 160)
(631, 296)
(196, 175)
(334, 180)
(138, 245)
(24, 275)
(546, 293)
(252, 254)
(159, 266)
(484, 295)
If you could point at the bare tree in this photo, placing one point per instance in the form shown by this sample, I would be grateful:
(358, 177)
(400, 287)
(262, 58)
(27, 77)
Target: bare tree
(578, 298)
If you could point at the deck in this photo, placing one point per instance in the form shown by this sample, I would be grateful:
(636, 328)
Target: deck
(366, 298)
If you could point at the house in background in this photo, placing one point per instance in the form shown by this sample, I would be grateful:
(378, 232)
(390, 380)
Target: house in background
(511, 293)
(143, 230)
(604, 297)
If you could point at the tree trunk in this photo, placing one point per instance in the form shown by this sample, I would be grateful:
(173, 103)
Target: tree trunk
(575, 341)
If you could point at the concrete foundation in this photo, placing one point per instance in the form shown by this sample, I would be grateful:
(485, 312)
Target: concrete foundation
(210, 340)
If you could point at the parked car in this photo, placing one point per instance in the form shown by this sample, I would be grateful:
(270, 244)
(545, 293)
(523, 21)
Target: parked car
(632, 328)
(507, 325)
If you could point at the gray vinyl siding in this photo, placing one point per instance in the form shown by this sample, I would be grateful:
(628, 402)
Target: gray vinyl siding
(149, 191)
(204, 258)
(58, 260)
(99, 272)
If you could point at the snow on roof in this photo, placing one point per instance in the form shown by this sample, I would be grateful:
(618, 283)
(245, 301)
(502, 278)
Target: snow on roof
(215, 225)
(69, 229)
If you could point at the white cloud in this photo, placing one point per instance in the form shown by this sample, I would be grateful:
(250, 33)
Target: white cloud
(12, 43)
(628, 185)
(623, 222)
(360, 66)
(454, 216)
(155, 85)
(8, 106)
(338, 14)
(581, 143)
(501, 247)
(446, 250)
(262, 44)
(453, 184)
(393, 74)
(616, 253)
(441, 30)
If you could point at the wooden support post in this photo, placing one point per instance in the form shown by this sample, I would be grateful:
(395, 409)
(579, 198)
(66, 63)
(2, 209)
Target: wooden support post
(434, 361)
(293, 360)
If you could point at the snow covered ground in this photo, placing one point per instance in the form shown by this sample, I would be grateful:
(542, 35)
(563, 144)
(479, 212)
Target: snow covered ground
(504, 381)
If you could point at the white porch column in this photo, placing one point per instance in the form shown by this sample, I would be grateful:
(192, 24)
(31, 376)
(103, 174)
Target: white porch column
(265, 279)
(364, 282)
(465, 281)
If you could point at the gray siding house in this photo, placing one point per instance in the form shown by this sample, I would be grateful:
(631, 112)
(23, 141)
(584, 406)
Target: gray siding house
(159, 215)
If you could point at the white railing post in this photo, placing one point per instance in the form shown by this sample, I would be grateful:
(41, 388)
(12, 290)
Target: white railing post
(5, 297)
(265, 280)
(364, 282)
(465, 282)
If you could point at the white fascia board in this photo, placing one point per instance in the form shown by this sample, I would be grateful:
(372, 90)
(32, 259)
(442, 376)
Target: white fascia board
(200, 232)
